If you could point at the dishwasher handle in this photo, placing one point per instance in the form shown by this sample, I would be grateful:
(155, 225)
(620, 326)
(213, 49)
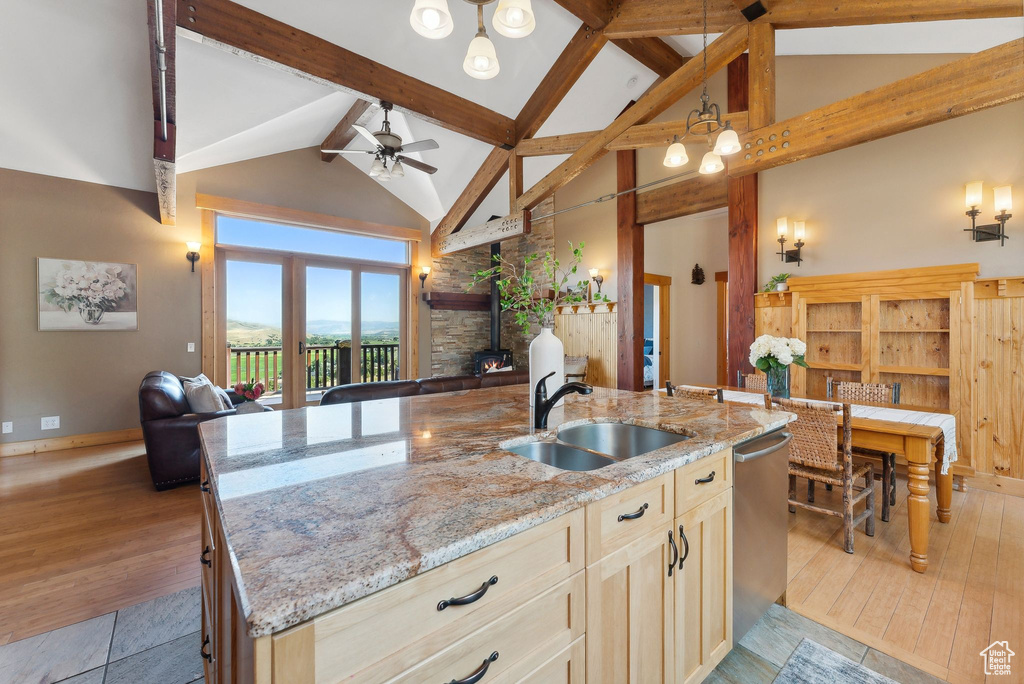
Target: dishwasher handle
(744, 456)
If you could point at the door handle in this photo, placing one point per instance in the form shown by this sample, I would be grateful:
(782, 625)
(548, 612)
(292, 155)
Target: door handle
(479, 673)
(302, 348)
(686, 547)
(633, 516)
(705, 480)
(675, 553)
(469, 598)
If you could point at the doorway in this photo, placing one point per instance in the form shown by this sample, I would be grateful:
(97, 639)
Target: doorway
(657, 330)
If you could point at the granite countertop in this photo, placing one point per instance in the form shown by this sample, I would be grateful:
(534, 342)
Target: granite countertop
(324, 505)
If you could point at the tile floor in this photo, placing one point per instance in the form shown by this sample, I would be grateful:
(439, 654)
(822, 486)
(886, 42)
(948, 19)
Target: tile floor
(156, 642)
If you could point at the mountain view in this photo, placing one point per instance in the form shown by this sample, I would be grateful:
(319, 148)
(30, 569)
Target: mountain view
(247, 334)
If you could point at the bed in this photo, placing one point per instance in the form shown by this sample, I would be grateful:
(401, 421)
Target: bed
(648, 362)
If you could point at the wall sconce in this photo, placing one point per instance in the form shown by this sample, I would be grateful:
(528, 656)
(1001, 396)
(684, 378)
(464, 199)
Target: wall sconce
(596, 276)
(424, 272)
(193, 253)
(790, 256)
(1003, 202)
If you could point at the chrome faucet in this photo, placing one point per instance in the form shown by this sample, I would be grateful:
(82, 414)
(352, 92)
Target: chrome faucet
(542, 405)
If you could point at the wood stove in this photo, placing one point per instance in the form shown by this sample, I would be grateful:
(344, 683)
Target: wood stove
(495, 357)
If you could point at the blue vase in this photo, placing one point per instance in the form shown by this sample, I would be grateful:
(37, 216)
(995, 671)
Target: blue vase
(778, 381)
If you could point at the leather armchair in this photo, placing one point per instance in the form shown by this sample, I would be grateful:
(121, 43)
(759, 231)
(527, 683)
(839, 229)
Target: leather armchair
(170, 429)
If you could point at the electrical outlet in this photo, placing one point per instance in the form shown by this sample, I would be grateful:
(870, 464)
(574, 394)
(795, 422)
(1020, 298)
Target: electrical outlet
(8, 427)
(191, 347)
(50, 423)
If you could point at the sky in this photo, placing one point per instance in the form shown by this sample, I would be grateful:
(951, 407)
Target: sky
(254, 289)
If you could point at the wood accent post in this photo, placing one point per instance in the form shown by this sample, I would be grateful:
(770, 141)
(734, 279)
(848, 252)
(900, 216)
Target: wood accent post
(515, 178)
(630, 249)
(742, 239)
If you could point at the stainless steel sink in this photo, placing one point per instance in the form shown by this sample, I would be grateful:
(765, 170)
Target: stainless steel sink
(562, 456)
(618, 439)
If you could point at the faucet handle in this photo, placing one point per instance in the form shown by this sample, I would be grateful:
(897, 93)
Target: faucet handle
(541, 391)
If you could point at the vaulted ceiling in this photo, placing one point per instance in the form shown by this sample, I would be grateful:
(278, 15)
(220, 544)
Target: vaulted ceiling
(77, 98)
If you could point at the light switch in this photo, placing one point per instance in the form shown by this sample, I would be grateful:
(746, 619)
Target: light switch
(8, 427)
(191, 347)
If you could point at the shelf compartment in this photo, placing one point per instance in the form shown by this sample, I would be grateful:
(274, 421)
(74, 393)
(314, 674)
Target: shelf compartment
(919, 390)
(913, 314)
(834, 316)
(914, 349)
(915, 370)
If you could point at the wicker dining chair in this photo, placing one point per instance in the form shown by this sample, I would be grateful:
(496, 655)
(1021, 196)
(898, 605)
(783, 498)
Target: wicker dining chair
(813, 455)
(701, 393)
(878, 393)
(752, 381)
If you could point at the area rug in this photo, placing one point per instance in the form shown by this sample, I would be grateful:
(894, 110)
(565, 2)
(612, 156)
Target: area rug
(812, 663)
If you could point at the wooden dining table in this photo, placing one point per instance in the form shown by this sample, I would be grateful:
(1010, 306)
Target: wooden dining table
(922, 446)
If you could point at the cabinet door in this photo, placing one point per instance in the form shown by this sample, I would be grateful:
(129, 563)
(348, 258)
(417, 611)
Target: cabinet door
(629, 613)
(703, 603)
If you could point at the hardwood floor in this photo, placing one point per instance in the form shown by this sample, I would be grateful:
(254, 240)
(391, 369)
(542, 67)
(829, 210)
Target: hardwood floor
(83, 533)
(939, 621)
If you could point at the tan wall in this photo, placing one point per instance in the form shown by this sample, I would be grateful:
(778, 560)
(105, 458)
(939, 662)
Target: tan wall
(89, 379)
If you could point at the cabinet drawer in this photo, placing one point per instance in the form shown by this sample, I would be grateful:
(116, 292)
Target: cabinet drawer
(206, 562)
(525, 639)
(388, 632)
(701, 480)
(567, 667)
(614, 522)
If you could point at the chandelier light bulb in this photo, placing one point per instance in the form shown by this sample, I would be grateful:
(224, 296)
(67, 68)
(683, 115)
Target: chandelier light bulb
(676, 154)
(514, 18)
(431, 18)
(728, 142)
(384, 176)
(711, 163)
(397, 170)
(481, 60)
(376, 168)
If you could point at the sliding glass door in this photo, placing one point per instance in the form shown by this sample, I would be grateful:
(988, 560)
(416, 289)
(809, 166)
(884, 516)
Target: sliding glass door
(253, 324)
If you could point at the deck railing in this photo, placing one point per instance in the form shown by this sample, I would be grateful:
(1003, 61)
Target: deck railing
(326, 365)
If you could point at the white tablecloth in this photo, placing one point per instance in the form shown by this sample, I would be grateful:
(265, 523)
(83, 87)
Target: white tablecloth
(895, 415)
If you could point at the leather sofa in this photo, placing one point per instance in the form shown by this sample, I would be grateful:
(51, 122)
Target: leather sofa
(366, 391)
(170, 429)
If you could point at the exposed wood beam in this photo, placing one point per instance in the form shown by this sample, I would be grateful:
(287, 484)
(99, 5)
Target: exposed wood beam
(659, 98)
(682, 198)
(653, 53)
(751, 9)
(163, 146)
(787, 14)
(596, 13)
(235, 28)
(360, 113)
(515, 177)
(761, 47)
(487, 176)
(630, 276)
(639, 18)
(967, 85)
(567, 143)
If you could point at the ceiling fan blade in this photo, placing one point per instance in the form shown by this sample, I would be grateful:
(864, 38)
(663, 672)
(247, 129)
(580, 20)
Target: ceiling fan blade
(366, 134)
(349, 151)
(418, 165)
(420, 146)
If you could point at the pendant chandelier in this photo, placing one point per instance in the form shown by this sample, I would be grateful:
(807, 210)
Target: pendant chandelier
(705, 121)
(512, 19)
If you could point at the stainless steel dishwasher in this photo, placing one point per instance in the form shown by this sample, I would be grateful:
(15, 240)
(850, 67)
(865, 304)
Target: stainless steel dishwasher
(760, 525)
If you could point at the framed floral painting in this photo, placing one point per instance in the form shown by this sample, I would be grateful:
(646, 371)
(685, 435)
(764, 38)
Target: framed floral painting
(87, 295)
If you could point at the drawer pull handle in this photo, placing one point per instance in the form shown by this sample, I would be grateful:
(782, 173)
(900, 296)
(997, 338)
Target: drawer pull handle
(203, 558)
(634, 516)
(208, 657)
(204, 486)
(686, 547)
(705, 480)
(675, 553)
(480, 672)
(469, 598)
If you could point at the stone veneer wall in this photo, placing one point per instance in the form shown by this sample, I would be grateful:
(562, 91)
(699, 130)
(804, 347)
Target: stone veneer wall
(455, 335)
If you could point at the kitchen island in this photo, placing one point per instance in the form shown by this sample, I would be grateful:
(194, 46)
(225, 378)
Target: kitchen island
(400, 539)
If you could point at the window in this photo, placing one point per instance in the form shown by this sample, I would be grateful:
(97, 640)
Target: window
(244, 232)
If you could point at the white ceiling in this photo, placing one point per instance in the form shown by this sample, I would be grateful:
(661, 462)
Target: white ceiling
(77, 104)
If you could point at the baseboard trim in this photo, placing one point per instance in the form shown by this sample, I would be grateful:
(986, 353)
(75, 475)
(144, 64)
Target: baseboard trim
(70, 442)
(997, 483)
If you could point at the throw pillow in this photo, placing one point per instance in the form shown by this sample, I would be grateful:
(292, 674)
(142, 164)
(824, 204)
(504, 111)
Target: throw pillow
(202, 396)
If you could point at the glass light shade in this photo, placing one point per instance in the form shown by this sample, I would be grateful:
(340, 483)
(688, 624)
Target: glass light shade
(711, 163)
(799, 231)
(481, 61)
(376, 168)
(675, 155)
(594, 272)
(193, 246)
(514, 18)
(384, 175)
(1004, 199)
(397, 170)
(431, 18)
(728, 142)
(782, 226)
(425, 270)
(973, 194)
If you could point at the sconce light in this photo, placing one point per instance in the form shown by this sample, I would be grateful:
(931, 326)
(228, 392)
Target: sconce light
(193, 253)
(424, 272)
(790, 256)
(596, 276)
(1003, 202)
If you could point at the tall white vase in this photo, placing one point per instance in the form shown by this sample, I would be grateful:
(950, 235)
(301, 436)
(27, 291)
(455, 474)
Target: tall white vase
(547, 355)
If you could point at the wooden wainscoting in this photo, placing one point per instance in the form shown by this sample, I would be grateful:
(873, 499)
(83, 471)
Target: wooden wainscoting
(593, 334)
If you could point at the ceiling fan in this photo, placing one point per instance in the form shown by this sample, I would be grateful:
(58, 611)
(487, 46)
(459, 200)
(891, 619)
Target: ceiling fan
(387, 146)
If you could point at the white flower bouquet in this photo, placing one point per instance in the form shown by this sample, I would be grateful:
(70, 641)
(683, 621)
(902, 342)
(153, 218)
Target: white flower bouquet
(93, 288)
(776, 353)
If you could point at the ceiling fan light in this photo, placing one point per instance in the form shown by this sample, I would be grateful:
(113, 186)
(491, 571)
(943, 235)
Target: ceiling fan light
(384, 175)
(728, 142)
(514, 18)
(676, 154)
(376, 168)
(481, 60)
(431, 18)
(711, 163)
(397, 170)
